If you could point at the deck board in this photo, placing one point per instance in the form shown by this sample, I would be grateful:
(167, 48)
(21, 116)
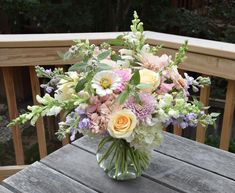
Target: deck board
(88, 172)
(38, 178)
(180, 175)
(200, 155)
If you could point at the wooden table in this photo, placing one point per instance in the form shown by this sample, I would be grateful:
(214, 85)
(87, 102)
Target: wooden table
(179, 165)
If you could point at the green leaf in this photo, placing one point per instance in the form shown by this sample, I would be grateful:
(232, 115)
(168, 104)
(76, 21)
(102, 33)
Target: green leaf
(144, 86)
(214, 114)
(135, 79)
(116, 42)
(102, 66)
(115, 57)
(77, 66)
(123, 96)
(103, 55)
(81, 84)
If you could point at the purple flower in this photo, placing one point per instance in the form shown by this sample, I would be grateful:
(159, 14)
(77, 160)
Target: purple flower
(72, 134)
(80, 111)
(84, 123)
(48, 71)
(183, 125)
(145, 108)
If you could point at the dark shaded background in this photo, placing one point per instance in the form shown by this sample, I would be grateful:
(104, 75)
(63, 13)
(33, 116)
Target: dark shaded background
(210, 19)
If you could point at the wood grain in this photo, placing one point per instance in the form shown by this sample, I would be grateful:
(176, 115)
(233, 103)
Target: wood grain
(204, 98)
(39, 178)
(13, 113)
(228, 116)
(200, 155)
(82, 166)
(180, 175)
(202, 46)
(39, 124)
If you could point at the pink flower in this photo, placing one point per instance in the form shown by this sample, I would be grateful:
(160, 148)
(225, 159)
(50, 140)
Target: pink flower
(153, 62)
(99, 111)
(125, 75)
(165, 88)
(143, 110)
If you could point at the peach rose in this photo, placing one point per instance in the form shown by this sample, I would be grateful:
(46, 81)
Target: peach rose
(122, 124)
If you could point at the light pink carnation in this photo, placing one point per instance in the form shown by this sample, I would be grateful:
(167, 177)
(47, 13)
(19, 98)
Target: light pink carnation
(143, 110)
(125, 75)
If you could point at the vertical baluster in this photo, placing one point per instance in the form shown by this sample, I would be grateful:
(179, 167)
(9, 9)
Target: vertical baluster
(177, 130)
(13, 113)
(228, 116)
(39, 124)
(204, 98)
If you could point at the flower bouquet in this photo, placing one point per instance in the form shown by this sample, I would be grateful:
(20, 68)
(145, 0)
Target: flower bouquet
(124, 98)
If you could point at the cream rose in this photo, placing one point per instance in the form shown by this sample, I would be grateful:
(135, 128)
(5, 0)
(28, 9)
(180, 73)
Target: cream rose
(122, 124)
(149, 77)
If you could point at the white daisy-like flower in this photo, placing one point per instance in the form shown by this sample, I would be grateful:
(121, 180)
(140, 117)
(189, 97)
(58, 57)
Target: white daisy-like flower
(105, 82)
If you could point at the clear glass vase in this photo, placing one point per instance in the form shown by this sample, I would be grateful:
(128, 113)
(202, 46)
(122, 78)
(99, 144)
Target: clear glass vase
(119, 160)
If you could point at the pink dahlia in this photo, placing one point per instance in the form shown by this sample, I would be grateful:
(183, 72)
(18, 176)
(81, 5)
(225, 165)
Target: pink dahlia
(143, 110)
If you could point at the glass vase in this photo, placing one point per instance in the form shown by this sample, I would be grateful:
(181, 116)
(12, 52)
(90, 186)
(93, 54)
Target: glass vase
(119, 160)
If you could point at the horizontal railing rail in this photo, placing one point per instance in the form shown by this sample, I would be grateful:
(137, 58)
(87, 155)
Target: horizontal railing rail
(204, 56)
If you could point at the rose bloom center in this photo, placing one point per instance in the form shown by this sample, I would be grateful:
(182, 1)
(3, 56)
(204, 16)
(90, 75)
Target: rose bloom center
(105, 82)
(122, 122)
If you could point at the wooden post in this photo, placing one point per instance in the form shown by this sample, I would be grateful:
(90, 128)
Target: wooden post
(177, 130)
(204, 98)
(228, 116)
(39, 124)
(13, 113)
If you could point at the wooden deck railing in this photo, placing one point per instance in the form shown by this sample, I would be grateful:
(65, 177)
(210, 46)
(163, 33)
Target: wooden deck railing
(206, 57)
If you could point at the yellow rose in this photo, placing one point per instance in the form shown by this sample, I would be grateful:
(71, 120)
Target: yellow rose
(122, 124)
(149, 77)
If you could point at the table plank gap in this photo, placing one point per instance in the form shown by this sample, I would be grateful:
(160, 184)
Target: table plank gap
(40, 179)
(145, 176)
(180, 175)
(83, 167)
(6, 189)
(64, 174)
(203, 156)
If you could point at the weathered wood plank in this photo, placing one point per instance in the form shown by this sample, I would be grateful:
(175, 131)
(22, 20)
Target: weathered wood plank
(4, 190)
(196, 45)
(82, 166)
(180, 175)
(13, 113)
(59, 39)
(228, 116)
(200, 155)
(39, 124)
(6, 171)
(39, 178)
(32, 56)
